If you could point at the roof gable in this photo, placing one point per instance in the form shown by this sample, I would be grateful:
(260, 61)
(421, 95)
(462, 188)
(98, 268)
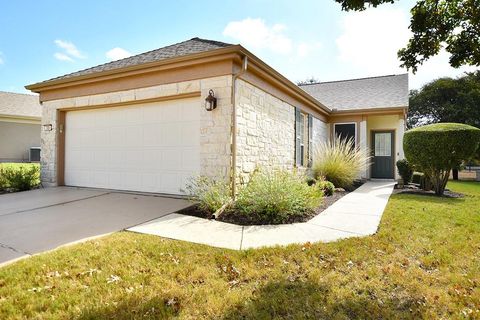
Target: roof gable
(192, 46)
(366, 93)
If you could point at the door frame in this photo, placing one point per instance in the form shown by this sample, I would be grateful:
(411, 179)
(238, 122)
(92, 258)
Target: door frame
(372, 148)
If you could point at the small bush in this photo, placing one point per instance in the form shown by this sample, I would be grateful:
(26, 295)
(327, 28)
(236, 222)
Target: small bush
(20, 178)
(277, 196)
(436, 149)
(405, 170)
(209, 194)
(327, 187)
(417, 177)
(339, 161)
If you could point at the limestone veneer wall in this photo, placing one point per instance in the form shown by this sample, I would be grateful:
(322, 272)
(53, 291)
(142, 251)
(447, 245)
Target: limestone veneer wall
(214, 132)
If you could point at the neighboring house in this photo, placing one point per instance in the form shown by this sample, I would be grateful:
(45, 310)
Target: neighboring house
(141, 123)
(20, 118)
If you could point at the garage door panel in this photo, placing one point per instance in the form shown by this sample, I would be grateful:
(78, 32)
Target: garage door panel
(151, 147)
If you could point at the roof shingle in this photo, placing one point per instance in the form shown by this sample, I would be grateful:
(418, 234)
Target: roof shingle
(194, 45)
(18, 104)
(366, 93)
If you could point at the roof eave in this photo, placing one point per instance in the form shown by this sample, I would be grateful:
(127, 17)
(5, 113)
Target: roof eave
(45, 85)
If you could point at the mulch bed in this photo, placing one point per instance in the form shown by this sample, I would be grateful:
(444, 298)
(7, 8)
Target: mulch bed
(231, 216)
(414, 189)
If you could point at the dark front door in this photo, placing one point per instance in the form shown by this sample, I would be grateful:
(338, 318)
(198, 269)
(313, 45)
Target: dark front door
(383, 149)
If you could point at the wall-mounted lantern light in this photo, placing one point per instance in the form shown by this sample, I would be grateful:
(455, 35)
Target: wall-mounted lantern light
(210, 101)
(47, 127)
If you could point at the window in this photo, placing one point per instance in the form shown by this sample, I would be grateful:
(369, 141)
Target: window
(303, 138)
(346, 131)
(383, 144)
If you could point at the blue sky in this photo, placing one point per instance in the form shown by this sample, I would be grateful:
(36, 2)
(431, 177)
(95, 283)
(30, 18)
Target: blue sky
(43, 39)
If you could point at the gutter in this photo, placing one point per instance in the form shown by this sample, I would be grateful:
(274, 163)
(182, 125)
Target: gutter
(233, 169)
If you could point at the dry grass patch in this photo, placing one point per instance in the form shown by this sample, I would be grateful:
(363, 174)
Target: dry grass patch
(423, 263)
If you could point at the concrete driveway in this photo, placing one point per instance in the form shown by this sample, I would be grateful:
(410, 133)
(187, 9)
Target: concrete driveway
(43, 219)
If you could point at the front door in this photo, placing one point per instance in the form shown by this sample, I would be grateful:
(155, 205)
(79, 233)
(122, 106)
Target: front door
(383, 149)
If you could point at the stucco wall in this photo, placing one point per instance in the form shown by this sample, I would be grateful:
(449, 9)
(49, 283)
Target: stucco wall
(16, 139)
(214, 126)
(265, 130)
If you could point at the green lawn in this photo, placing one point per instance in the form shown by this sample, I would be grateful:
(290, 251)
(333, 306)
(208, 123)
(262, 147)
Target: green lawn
(423, 263)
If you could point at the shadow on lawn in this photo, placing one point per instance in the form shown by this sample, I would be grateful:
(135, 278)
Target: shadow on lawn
(134, 308)
(304, 300)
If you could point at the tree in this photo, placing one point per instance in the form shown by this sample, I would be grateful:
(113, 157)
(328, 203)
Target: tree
(436, 149)
(453, 24)
(310, 80)
(446, 100)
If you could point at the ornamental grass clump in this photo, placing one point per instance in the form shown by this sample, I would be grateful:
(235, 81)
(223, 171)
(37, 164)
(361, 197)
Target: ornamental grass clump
(209, 194)
(277, 196)
(339, 162)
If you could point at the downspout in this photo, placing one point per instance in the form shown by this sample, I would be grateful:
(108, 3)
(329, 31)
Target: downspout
(234, 127)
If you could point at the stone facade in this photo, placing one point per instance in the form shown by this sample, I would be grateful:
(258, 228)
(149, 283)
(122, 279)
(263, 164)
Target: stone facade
(215, 126)
(266, 130)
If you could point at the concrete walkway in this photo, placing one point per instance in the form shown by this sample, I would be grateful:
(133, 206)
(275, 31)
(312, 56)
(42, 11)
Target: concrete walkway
(356, 214)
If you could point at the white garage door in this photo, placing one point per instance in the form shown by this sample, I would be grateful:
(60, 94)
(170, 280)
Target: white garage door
(152, 147)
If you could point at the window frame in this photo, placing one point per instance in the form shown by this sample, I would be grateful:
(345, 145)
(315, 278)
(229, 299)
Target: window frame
(304, 156)
(340, 123)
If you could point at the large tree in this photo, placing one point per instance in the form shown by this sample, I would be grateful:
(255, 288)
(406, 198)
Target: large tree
(452, 24)
(446, 100)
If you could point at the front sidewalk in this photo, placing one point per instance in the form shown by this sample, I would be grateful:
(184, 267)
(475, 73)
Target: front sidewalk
(356, 214)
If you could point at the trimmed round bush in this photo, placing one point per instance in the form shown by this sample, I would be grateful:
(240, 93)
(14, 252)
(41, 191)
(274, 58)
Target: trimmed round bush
(437, 148)
(405, 170)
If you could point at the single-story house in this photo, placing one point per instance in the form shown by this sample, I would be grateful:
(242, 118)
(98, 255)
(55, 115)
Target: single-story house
(20, 118)
(152, 121)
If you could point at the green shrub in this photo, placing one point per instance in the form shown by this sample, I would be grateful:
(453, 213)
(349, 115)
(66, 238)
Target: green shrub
(327, 187)
(277, 196)
(405, 170)
(436, 149)
(209, 194)
(20, 177)
(339, 161)
(417, 177)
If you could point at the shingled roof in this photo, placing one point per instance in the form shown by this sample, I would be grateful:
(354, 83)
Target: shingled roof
(194, 45)
(366, 93)
(19, 105)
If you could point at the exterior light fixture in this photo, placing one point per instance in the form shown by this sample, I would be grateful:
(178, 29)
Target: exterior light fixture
(47, 127)
(210, 101)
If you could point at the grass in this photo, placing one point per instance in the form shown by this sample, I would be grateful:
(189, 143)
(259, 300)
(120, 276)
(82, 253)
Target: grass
(423, 263)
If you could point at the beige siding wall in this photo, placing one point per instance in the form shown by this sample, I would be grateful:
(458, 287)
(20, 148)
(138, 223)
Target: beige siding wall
(16, 139)
(214, 128)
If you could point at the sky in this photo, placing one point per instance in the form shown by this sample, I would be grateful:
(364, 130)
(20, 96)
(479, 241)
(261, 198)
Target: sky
(301, 39)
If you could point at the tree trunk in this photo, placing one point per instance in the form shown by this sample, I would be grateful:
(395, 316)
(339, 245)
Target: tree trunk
(455, 174)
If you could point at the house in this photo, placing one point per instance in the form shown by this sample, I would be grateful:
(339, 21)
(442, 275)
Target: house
(152, 121)
(20, 118)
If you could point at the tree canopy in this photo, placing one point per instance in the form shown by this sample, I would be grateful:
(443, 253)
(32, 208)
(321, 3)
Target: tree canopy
(452, 24)
(446, 100)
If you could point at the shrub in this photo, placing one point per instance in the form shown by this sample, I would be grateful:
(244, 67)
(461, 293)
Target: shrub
(438, 148)
(339, 161)
(417, 177)
(209, 194)
(327, 187)
(277, 196)
(405, 170)
(20, 178)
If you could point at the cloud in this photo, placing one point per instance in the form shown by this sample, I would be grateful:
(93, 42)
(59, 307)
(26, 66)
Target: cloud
(117, 54)
(370, 39)
(70, 49)
(256, 34)
(304, 49)
(62, 57)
